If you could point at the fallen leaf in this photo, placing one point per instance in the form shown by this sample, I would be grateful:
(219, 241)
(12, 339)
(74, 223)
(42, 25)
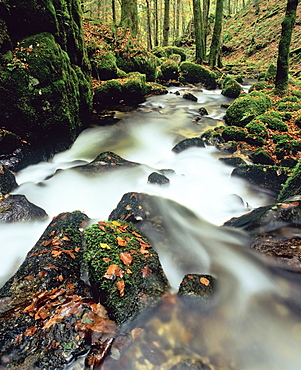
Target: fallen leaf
(146, 271)
(120, 286)
(113, 271)
(105, 246)
(121, 242)
(116, 223)
(126, 258)
(204, 281)
(30, 331)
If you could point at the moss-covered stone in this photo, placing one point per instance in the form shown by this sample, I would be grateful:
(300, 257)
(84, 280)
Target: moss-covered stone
(195, 73)
(154, 88)
(170, 70)
(270, 74)
(196, 285)
(234, 133)
(244, 109)
(260, 85)
(124, 270)
(288, 106)
(260, 156)
(175, 50)
(41, 95)
(286, 147)
(272, 123)
(256, 127)
(104, 66)
(231, 88)
(292, 186)
(159, 52)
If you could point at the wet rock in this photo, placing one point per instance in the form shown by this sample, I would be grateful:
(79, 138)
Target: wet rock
(268, 177)
(232, 161)
(103, 162)
(16, 208)
(260, 156)
(47, 314)
(203, 111)
(124, 270)
(7, 180)
(157, 178)
(292, 185)
(188, 143)
(130, 208)
(189, 96)
(201, 286)
(191, 364)
(276, 232)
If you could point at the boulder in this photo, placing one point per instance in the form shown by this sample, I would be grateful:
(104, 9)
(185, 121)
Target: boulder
(16, 208)
(197, 285)
(231, 88)
(188, 143)
(195, 73)
(190, 96)
(157, 178)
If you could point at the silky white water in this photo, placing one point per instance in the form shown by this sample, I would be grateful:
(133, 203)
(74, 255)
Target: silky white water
(201, 183)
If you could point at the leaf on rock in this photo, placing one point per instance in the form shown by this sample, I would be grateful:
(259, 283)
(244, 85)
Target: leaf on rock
(121, 242)
(113, 271)
(120, 286)
(126, 258)
(30, 331)
(146, 271)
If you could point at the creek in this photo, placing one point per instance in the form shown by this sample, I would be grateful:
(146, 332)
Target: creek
(253, 322)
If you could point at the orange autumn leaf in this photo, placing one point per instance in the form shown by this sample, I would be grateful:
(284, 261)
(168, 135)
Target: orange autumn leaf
(146, 271)
(126, 258)
(121, 242)
(66, 238)
(63, 217)
(204, 281)
(30, 331)
(113, 271)
(120, 286)
(54, 320)
(56, 253)
(136, 234)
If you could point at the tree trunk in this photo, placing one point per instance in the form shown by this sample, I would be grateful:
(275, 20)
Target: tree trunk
(156, 42)
(149, 29)
(206, 7)
(113, 12)
(281, 84)
(166, 22)
(129, 15)
(215, 43)
(177, 31)
(257, 8)
(199, 41)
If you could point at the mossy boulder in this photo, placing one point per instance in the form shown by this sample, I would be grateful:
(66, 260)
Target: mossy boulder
(272, 123)
(260, 85)
(195, 73)
(188, 143)
(270, 74)
(256, 127)
(244, 109)
(234, 133)
(7, 180)
(265, 176)
(288, 104)
(169, 70)
(170, 50)
(42, 96)
(159, 52)
(260, 156)
(138, 60)
(231, 88)
(287, 147)
(292, 186)
(104, 66)
(124, 269)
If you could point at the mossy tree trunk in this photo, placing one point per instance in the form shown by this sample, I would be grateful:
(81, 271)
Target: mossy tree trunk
(281, 83)
(215, 43)
(149, 28)
(113, 12)
(198, 30)
(156, 42)
(206, 7)
(129, 15)
(166, 22)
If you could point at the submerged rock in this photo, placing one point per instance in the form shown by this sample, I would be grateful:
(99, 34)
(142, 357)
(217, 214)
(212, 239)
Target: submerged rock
(124, 270)
(189, 96)
(201, 286)
(16, 208)
(103, 162)
(47, 314)
(157, 178)
(188, 143)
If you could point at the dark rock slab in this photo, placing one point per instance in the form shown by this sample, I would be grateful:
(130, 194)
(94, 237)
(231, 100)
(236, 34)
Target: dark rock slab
(189, 96)
(16, 208)
(188, 143)
(7, 180)
(232, 161)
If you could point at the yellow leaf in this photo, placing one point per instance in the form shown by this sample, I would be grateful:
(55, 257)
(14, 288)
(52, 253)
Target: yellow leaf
(105, 246)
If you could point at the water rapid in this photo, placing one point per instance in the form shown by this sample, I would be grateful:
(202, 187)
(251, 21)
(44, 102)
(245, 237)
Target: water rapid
(250, 323)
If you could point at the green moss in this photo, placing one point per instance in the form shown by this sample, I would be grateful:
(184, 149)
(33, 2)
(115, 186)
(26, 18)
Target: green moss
(231, 88)
(110, 92)
(234, 133)
(159, 52)
(136, 268)
(175, 50)
(288, 104)
(244, 109)
(279, 137)
(292, 186)
(169, 70)
(104, 67)
(195, 73)
(273, 123)
(261, 85)
(286, 147)
(256, 127)
(270, 74)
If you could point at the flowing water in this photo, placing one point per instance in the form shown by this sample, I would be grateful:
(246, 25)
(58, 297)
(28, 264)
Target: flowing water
(252, 322)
